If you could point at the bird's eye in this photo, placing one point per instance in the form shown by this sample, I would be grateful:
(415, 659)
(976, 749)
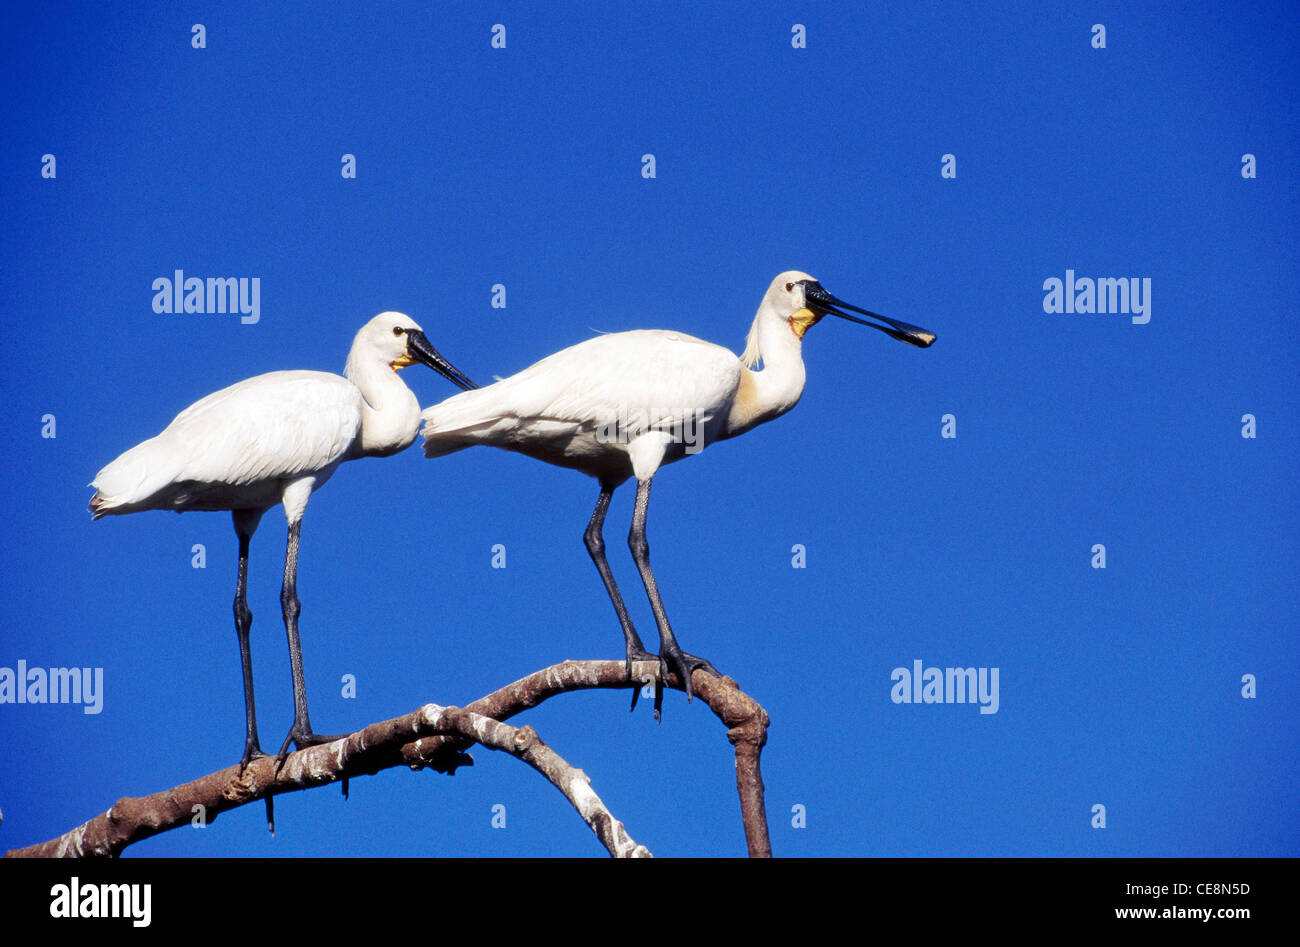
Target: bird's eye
(398, 330)
(789, 287)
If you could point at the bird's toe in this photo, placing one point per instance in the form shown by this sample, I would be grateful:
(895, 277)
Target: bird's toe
(251, 752)
(302, 738)
(640, 654)
(684, 666)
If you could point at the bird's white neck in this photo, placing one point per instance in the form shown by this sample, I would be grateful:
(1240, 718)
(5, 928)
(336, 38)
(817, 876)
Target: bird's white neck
(771, 392)
(390, 413)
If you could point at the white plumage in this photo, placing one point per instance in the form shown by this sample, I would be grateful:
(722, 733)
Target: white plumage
(625, 404)
(237, 447)
(271, 439)
(560, 409)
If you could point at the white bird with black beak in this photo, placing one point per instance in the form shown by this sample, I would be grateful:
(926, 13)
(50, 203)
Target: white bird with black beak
(271, 439)
(622, 405)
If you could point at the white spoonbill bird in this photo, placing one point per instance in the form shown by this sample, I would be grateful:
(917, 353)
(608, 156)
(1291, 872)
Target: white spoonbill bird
(623, 405)
(274, 439)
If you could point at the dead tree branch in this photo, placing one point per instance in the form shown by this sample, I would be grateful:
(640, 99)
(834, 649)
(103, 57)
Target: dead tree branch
(434, 736)
(524, 743)
(747, 724)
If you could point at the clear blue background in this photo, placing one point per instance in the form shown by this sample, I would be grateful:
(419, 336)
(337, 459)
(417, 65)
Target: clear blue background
(522, 166)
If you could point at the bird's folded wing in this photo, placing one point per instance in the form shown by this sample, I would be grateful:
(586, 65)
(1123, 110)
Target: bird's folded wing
(277, 425)
(273, 426)
(651, 377)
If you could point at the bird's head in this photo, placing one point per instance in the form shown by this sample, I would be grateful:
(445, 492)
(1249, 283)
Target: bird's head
(397, 340)
(799, 300)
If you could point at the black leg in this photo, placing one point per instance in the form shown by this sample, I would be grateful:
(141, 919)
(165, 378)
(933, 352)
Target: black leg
(245, 524)
(595, 541)
(671, 657)
(300, 734)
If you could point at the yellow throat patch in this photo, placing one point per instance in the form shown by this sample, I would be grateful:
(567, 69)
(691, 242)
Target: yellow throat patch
(801, 320)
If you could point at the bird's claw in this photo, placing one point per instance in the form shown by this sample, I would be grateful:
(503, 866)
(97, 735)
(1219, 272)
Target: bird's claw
(683, 665)
(301, 739)
(251, 752)
(671, 661)
(643, 655)
(254, 752)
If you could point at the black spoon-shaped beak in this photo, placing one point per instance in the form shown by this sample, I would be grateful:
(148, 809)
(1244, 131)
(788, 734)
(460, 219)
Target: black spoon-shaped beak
(419, 348)
(822, 302)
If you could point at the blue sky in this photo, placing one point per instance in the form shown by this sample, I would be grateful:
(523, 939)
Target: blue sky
(522, 166)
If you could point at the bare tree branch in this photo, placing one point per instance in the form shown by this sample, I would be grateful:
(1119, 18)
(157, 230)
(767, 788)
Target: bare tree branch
(434, 736)
(528, 746)
(365, 751)
(747, 724)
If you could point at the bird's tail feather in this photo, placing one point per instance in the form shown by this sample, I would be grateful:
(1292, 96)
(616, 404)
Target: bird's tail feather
(127, 484)
(451, 425)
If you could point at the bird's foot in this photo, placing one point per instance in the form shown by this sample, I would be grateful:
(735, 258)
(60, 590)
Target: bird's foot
(640, 654)
(251, 752)
(676, 660)
(302, 738)
(254, 752)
